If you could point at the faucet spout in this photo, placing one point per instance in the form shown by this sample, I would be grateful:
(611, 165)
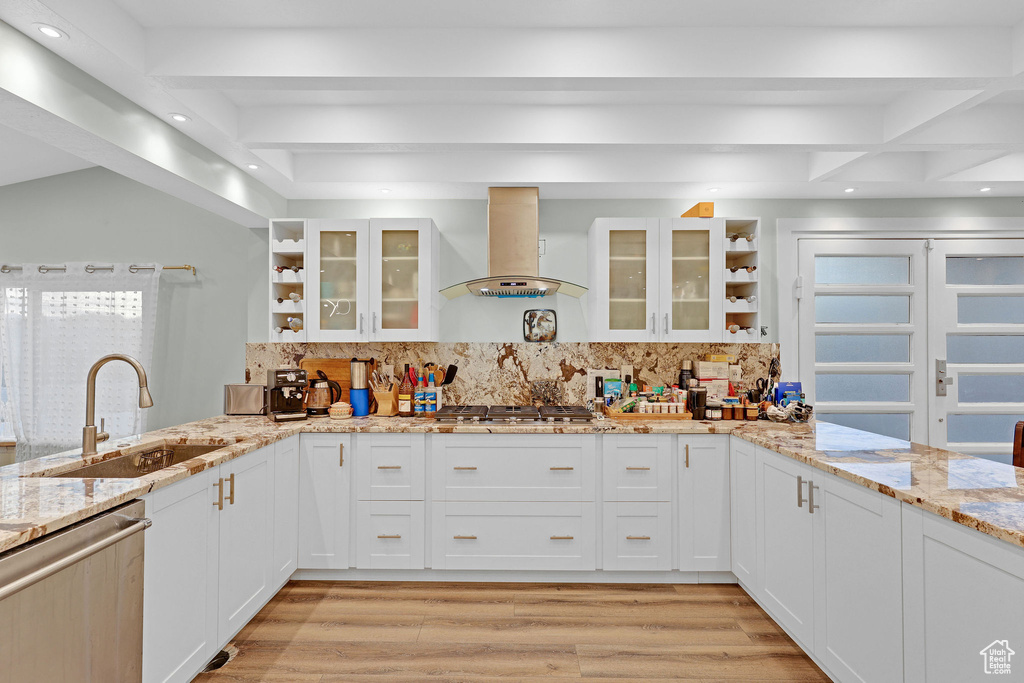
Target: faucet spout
(89, 434)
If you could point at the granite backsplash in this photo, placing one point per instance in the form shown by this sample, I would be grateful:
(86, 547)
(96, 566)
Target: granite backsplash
(500, 373)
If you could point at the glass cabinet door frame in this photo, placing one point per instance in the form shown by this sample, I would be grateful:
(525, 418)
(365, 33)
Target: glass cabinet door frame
(428, 289)
(601, 295)
(715, 227)
(361, 227)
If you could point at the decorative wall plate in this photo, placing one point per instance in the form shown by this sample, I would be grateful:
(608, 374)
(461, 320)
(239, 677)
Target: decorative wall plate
(539, 325)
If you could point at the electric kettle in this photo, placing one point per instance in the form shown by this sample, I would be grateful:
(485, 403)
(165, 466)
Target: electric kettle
(322, 392)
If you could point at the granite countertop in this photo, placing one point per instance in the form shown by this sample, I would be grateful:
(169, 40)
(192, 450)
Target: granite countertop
(977, 493)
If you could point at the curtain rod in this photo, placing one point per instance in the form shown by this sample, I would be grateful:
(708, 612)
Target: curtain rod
(92, 269)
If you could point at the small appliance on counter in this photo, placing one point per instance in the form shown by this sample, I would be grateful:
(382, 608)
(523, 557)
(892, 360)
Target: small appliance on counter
(321, 394)
(245, 399)
(286, 390)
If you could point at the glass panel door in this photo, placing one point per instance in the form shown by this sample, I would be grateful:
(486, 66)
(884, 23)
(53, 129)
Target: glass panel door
(400, 280)
(977, 327)
(691, 275)
(337, 253)
(692, 283)
(627, 280)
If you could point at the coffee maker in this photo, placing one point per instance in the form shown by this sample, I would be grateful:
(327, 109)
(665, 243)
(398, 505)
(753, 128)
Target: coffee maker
(286, 391)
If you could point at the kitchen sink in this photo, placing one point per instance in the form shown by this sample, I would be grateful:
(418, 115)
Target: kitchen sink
(140, 463)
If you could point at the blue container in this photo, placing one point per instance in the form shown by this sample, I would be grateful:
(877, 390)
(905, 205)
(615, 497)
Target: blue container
(360, 400)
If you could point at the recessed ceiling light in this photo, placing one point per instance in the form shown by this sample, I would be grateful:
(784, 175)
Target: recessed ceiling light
(253, 167)
(49, 31)
(712, 189)
(985, 189)
(849, 189)
(385, 190)
(180, 118)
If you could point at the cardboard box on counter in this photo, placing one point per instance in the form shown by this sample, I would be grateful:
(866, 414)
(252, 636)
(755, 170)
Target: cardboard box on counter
(709, 370)
(717, 388)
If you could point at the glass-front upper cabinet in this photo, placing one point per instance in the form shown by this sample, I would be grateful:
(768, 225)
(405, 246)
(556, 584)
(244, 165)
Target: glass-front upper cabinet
(656, 279)
(376, 279)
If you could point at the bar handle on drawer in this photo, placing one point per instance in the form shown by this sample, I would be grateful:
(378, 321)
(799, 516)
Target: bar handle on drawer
(463, 468)
(464, 538)
(389, 467)
(560, 469)
(638, 538)
(389, 535)
(561, 538)
(639, 468)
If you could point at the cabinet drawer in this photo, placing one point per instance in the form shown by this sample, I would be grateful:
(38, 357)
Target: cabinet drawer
(514, 467)
(637, 536)
(389, 535)
(513, 536)
(389, 466)
(637, 468)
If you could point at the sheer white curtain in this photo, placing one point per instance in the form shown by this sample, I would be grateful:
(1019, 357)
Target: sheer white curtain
(53, 326)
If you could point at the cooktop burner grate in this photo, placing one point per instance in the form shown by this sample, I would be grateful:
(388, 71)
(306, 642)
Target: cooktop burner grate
(513, 412)
(565, 413)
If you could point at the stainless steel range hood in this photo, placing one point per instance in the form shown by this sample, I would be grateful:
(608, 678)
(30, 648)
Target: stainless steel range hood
(513, 262)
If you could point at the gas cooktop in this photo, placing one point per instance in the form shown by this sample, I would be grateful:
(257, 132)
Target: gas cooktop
(513, 414)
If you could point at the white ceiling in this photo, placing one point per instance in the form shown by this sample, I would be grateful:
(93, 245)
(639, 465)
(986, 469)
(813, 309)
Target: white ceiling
(25, 158)
(601, 98)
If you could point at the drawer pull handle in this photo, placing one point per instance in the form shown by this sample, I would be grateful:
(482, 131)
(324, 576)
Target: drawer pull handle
(639, 468)
(638, 538)
(389, 535)
(341, 455)
(687, 456)
(389, 467)
(464, 538)
(464, 468)
(560, 469)
(561, 538)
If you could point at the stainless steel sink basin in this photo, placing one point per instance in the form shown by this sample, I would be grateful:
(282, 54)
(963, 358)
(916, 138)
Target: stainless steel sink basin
(141, 463)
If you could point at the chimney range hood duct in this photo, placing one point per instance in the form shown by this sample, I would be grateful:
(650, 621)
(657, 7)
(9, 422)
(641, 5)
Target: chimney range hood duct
(513, 262)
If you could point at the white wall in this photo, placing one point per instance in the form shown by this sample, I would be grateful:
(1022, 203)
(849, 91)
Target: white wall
(97, 215)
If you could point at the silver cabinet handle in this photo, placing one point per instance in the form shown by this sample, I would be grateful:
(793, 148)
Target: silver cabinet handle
(811, 507)
(666, 323)
(389, 535)
(653, 317)
(800, 500)
(644, 469)
(66, 561)
(638, 538)
(389, 467)
(373, 327)
(361, 317)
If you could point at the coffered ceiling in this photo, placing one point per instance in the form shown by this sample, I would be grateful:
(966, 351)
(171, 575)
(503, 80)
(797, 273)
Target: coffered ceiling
(603, 98)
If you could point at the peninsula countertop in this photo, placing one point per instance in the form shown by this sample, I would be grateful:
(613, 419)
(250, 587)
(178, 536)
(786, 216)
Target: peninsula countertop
(981, 494)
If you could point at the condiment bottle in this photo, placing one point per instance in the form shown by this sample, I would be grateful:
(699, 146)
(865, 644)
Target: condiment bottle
(405, 395)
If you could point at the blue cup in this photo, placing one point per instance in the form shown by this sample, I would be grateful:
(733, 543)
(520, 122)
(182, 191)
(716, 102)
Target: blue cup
(360, 400)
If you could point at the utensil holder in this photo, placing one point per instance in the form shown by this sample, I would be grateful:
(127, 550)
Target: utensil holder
(387, 401)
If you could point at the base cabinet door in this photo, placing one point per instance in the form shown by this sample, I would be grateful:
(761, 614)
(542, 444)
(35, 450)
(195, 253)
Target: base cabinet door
(785, 544)
(286, 509)
(325, 486)
(743, 509)
(637, 536)
(179, 627)
(389, 535)
(246, 539)
(704, 535)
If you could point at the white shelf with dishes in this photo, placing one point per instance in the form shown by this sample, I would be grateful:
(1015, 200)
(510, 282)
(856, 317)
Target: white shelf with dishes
(742, 288)
(287, 280)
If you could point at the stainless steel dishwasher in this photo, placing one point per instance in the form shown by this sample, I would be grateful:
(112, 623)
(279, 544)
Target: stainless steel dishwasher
(71, 603)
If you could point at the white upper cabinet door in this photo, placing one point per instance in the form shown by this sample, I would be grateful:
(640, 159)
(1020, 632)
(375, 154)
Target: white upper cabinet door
(691, 283)
(404, 284)
(624, 279)
(338, 273)
(325, 494)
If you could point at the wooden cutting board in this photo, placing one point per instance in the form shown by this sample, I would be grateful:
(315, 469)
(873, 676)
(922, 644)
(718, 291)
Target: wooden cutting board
(337, 369)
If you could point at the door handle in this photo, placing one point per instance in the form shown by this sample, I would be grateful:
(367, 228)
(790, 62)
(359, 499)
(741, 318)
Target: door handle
(373, 327)
(341, 455)
(942, 380)
(811, 507)
(687, 456)
(800, 500)
(220, 494)
(231, 496)
(653, 317)
(361, 317)
(666, 323)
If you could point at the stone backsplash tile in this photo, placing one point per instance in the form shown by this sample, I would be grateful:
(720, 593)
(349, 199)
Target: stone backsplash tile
(500, 373)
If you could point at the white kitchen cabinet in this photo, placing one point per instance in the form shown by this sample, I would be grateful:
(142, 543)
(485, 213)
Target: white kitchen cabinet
(179, 626)
(390, 466)
(743, 508)
(325, 495)
(389, 534)
(657, 279)
(637, 536)
(703, 502)
(637, 467)
(963, 592)
(287, 279)
(373, 279)
(286, 509)
(246, 539)
(786, 543)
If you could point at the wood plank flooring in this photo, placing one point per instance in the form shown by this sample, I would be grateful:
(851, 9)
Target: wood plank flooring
(342, 632)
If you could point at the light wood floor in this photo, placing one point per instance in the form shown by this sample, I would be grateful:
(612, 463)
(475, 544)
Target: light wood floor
(334, 632)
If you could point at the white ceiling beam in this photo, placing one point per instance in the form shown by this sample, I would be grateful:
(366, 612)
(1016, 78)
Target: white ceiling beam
(914, 111)
(764, 52)
(943, 165)
(985, 124)
(263, 127)
(1009, 168)
(824, 165)
(889, 167)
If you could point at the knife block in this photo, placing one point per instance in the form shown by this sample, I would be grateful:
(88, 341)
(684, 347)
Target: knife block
(387, 402)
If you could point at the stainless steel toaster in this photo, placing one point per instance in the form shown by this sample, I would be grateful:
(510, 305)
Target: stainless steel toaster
(245, 399)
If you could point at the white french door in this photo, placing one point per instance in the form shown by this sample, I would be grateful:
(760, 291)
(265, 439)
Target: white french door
(863, 334)
(976, 328)
(880, 319)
